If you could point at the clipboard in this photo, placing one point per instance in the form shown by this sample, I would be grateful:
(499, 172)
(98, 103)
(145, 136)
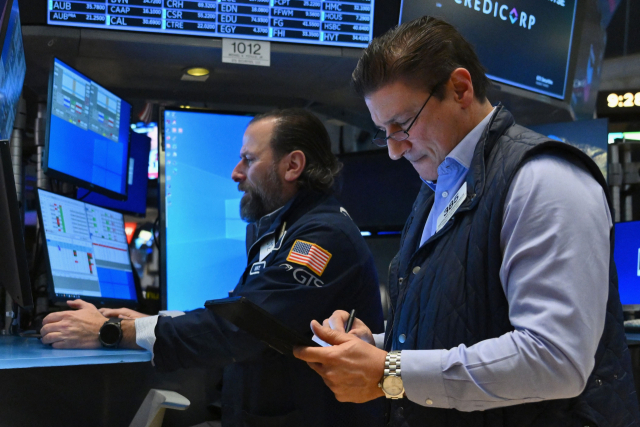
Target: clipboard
(260, 323)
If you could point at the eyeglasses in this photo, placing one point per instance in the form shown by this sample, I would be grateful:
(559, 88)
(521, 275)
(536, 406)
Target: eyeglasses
(380, 138)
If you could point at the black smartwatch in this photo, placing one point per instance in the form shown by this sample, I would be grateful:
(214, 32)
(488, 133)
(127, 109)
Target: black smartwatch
(111, 333)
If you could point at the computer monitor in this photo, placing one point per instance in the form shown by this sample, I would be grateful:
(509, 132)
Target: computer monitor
(87, 252)
(627, 257)
(203, 237)
(14, 269)
(137, 181)
(524, 43)
(87, 139)
(12, 66)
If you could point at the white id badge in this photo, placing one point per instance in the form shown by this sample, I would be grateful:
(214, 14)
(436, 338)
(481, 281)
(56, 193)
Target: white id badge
(267, 247)
(452, 207)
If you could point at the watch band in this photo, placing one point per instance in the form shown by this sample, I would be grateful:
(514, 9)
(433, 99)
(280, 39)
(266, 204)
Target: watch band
(392, 364)
(391, 382)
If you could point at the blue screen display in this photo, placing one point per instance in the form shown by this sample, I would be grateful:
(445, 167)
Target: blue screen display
(12, 71)
(205, 237)
(88, 132)
(137, 181)
(627, 258)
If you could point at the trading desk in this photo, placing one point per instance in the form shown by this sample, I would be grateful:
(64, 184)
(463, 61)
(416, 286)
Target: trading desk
(43, 386)
(18, 352)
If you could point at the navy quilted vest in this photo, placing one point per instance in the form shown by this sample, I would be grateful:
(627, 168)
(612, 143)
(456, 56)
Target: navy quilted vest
(455, 296)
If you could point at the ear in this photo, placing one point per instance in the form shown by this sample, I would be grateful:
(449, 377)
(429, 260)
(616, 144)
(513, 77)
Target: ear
(462, 87)
(294, 164)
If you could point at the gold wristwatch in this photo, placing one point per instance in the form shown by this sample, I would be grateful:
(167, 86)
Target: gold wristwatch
(391, 382)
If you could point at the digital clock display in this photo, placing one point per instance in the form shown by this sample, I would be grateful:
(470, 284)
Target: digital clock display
(625, 100)
(324, 22)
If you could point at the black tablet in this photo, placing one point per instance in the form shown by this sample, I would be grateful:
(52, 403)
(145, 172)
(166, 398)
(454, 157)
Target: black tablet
(259, 323)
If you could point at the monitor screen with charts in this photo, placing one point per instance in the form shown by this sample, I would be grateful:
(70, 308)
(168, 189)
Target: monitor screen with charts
(12, 68)
(87, 140)
(87, 252)
(137, 182)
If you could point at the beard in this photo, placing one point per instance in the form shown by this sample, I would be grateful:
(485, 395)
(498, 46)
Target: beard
(262, 199)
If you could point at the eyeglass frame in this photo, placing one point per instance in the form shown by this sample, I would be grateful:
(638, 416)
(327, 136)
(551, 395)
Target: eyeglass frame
(406, 132)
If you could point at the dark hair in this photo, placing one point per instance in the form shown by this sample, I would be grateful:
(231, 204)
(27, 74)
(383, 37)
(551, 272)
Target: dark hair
(299, 129)
(424, 52)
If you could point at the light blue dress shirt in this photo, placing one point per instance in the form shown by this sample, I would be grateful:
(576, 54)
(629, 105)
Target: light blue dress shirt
(555, 247)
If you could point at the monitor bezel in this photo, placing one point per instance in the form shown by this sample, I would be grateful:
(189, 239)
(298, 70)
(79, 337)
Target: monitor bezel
(162, 187)
(97, 301)
(20, 293)
(53, 173)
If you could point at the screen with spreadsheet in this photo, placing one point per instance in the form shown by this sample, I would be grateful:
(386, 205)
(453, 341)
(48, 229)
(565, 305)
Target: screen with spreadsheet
(87, 139)
(87, 251)
(321, 22)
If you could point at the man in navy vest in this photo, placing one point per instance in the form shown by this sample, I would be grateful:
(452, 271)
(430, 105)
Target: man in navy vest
(306, 258)
(504, 292)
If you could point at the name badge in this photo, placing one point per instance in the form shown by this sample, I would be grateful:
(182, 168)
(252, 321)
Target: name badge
(267, 247)
(452, 207)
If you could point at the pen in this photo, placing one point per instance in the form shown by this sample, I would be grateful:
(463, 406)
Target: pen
(350, 321)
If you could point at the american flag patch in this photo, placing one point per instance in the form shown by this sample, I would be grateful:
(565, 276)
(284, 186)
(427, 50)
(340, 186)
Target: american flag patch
(309, 255)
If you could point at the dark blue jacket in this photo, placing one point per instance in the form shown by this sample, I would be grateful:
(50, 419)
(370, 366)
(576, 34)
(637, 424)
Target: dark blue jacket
(260, 386)
(456, 297)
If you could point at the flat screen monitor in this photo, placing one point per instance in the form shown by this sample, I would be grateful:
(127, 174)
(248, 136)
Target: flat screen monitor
(370, 180)
(137, 181)
(203, 235)
(87, 252)
(87, 140)
(627, 257)
(329, 23)
(12, 68)
(14, 269)
(524, 43)
(590, 136)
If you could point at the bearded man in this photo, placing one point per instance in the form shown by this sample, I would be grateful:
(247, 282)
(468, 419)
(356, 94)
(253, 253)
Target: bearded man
(286, 172)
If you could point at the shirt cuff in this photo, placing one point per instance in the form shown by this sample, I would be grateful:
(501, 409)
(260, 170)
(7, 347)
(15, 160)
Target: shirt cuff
(379, 340)
(422, 378)
(145, 333)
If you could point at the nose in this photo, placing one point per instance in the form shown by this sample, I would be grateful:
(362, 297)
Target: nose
(397, 148)
(238, 175)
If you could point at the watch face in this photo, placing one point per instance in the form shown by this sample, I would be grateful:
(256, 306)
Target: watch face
(109, 334)
(393, 385)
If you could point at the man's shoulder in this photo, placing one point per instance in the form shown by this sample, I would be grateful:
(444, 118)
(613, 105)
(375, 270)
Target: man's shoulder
(330, 222)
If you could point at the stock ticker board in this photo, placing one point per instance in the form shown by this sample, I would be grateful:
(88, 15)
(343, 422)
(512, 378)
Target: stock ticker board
(320, 22)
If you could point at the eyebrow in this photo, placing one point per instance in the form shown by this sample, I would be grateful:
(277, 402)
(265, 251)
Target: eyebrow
(394, 119)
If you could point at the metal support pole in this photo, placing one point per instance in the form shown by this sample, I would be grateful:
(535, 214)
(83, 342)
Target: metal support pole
(40, 129)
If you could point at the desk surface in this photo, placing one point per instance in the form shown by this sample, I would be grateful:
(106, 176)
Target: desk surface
(18, 352)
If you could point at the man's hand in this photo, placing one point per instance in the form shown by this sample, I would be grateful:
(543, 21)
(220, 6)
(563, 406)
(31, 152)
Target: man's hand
(339, 319)
(73, 329)
(351, 367)
(122, 313)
